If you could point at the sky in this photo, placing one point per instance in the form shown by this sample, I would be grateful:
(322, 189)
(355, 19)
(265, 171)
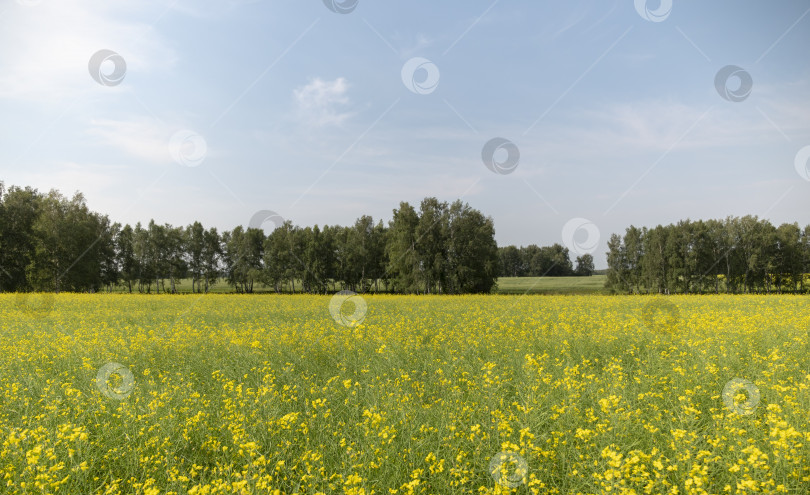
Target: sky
(565, 122)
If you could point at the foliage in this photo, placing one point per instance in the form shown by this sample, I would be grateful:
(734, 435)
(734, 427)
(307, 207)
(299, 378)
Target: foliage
(51, 243)
(738, 254)
(536, 261)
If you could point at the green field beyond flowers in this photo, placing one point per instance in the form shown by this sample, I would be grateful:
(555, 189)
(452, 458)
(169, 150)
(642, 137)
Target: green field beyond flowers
(506, 285)
(404, 394)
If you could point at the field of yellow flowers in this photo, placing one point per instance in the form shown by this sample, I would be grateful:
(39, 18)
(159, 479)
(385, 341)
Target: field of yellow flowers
(231, 394)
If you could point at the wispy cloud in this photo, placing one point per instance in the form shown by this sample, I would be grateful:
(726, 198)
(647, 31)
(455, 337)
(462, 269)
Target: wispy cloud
(319, 102)
(654, 125)
(209, 9)
(417, 46)
(94, 180)
(141, 137)
(46, 47)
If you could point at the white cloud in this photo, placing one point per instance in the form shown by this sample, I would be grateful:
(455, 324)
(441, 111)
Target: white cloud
(72, 176)
(45, 48)
(144, 138)
(658, 126)
(97, 182)
(210, 9)
(318, 102)
(417, 46)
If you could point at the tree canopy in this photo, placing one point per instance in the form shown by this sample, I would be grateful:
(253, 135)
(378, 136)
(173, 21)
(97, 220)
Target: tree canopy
(52, 243)
(738, 254)
(49, 242)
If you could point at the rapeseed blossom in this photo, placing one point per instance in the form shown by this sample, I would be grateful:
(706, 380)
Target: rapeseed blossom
(229, 394)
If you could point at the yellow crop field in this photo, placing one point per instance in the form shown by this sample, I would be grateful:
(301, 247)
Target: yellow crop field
(232, 394)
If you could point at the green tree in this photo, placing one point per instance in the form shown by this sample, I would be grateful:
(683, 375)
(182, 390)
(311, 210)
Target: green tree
(107, 251)
(585, 267)
(535, 260)
(244, 254)
(403, 260)
(317, 258)
(377, 255)
(195, 247)
(558, 259)
(618, 267)
(51, 252)
(431, 244)
(634, 252)
(472, 253)
(654, 264)
(511, 262)
(174, 249)
(73, 248)
(20, 209)
(789, 257)
(127, 263)
(211, 256)
(279, 259)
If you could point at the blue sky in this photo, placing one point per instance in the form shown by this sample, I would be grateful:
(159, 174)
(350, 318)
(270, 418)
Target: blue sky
(227, 108)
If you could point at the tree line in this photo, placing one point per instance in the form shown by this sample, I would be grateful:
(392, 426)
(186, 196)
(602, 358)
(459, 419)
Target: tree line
(735, 255)
(52, 243)
(546, 261)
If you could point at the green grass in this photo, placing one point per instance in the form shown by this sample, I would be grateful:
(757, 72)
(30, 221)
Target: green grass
(552, 285)
(506, 285)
